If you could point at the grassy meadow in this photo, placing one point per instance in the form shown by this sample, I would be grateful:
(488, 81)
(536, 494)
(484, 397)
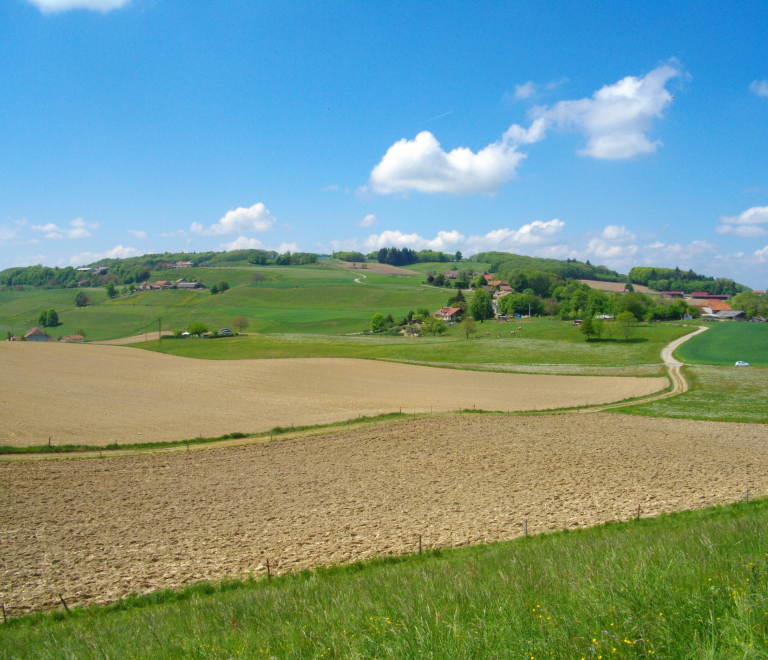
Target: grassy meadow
(676, 586)
(726, 343)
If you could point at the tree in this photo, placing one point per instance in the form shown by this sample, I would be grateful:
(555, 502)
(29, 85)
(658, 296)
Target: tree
(111, 290)
(628, 286)
(214, 289)
(223, 286)
(624, 322)
(422, 312)
(458, 256)
(81, 299)
(481, 306)
(587, 328)
(751, 304)
(468, 326)
(522, 303)
(51, 318)
(197, 329)
(378, 322)
(598, 326)
(433, 325)
(458, 298)
(42, 320)
(636, 303)
(80, 332)
(240, 323)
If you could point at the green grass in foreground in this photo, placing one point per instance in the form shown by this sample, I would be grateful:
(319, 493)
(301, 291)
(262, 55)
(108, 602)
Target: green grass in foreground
(726, 343)
(729, 394)
(542, 341)
(689, 585)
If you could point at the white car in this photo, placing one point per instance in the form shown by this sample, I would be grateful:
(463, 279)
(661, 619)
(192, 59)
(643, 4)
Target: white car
(741, 363)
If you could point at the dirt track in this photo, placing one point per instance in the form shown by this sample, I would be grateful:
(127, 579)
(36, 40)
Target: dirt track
(87, 394)
(98, 529)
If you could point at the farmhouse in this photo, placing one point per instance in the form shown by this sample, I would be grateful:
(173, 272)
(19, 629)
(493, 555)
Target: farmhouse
(35, 334)
(184, 264)
(164, 284)
(673, 294)
(72, 339)
(448, 313)
(189, 285)
(451, 274)
(714, 306)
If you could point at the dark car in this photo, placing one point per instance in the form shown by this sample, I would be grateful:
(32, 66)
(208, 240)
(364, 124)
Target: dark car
(225, 332)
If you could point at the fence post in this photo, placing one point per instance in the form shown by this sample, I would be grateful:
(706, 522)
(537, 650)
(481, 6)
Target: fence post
(747, 498)
(5, 618)
(269, 575)
(419, 543)
(63, 602)
(525, 528)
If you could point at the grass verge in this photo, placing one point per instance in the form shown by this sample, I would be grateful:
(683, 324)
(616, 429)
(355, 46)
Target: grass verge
(688, 585)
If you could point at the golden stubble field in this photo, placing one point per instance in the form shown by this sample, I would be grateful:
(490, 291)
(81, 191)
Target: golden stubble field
(99, 529)
(98, 395)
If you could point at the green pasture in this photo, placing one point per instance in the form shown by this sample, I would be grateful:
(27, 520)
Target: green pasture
(689, 585)
(729, 394)
(726, 343)
(317, 299)
(542, 341)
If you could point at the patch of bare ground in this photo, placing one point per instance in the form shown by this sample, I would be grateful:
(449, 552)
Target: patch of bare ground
(615, 286)
(99, 529)
(99, 395)
(379, 269)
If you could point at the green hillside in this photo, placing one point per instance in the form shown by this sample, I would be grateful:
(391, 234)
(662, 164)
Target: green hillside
(677, 586)
(726, 343)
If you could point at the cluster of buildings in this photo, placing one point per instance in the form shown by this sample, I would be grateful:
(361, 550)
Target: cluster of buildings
(711, 306)
(37, 334)
(165, 284)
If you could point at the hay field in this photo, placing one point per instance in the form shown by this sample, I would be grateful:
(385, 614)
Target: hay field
(98, 395)
(98, 529)
(616, 286)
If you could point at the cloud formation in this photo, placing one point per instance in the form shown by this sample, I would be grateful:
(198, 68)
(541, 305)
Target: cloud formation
(78, 228)
(613, 243)
(368, 221)
(745, 225)
(524, 91)
(759, 87)
(137, 233)
(118, 252)
(241, 220)
(614, 120)
(53, 6)
(243, 243)
(534, 233)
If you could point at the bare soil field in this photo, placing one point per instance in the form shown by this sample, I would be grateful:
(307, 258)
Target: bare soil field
(98, 395)
(616, 286)
(379, 269)
(99, 529)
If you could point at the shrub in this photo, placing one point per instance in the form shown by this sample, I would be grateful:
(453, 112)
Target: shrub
(81, 299)
(223, 286)
(378, 322)
(481, 306)
(240, 323)
(111, 290)
(197, 329)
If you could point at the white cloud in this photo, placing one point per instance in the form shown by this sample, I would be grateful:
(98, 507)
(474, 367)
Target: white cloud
(368, 221)
(78, 228)
(288, 247)
(243, 243)
(118, 252)
(535, 233)
(614, 120)
(8, 233)
(762, 255)
(745, 223)
(52, 6)
(240, 220)
(422, 165)
(524, 91)
(137, 233)
(613, 243)
(759, 87)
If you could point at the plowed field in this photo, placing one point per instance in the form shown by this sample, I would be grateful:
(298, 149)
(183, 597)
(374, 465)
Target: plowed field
(98, 529)
(86, 394)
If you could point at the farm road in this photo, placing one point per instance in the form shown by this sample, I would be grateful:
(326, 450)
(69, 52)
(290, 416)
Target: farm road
(98, 395)
(99, 529)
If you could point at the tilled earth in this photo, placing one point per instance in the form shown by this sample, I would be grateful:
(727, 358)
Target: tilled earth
(98, 529)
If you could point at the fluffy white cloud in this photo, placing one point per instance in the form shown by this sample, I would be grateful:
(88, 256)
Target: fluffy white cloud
(243, 243)
(614, 120)
(422, 165)
(678, 251)
(368, 221)
(8, 233)
(746, 223)
(288, 247)
(613, 243)
(759, 87)
(51, 6)
(240, 220)
(137, 233)
(535, 233)
(762, 255)
(524, 91)
(118, 252)
(78, 228)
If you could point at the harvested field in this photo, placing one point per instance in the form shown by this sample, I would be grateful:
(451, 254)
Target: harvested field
(379, 269)
(98, 395)
(615, 286)
(98, 529)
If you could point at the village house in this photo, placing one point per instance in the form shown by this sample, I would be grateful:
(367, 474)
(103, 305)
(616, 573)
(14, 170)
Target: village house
(451, 274)
(72, 339)
(448, 313)
(183, 264)
(673, 294)
(35, 334)
(189, 285)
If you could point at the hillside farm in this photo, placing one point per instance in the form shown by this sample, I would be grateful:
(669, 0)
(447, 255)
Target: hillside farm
(99, 529)
(101, 395)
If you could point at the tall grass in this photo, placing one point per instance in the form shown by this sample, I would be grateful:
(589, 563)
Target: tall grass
(689, 585)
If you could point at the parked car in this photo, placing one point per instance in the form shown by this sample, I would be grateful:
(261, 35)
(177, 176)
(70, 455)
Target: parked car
(225, 332)
(741, 363)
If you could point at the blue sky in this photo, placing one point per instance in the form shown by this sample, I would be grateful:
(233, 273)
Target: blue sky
(618, 133)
